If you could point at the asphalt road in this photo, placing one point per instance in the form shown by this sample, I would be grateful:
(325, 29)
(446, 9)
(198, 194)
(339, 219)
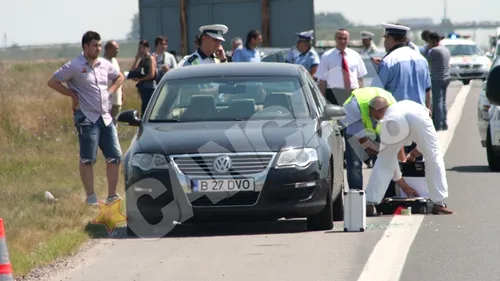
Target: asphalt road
(456, 247)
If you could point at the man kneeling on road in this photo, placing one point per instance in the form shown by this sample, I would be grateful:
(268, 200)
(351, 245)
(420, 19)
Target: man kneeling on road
(404, 122)
(362, 134)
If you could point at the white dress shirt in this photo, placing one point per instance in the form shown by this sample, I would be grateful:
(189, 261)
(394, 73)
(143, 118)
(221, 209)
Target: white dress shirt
(116, 98)
(330, 68)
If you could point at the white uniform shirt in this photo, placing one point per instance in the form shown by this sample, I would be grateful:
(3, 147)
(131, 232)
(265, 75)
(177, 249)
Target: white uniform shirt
(200, 59)
(116, 98)
(330, 68)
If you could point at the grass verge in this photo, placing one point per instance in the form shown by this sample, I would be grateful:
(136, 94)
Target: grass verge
(39, 152)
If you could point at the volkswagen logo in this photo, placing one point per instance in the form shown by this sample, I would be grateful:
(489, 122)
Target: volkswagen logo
(222, 164)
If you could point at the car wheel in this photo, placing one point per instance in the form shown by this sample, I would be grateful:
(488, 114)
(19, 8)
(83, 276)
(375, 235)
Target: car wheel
(493, 158)
(324, 219)
(466, 81)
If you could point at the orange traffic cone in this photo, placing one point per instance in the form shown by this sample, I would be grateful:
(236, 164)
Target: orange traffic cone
(5, 266)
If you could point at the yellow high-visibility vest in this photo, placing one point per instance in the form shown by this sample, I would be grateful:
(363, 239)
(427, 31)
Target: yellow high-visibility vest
(363, 97)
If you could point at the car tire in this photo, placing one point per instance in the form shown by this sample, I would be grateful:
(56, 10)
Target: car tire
(324, 219)
(492, 157)
(466, 81)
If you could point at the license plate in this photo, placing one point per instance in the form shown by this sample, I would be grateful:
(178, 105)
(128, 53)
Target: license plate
(223, 185)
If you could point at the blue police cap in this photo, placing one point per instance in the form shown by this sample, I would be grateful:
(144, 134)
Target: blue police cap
(305, 35)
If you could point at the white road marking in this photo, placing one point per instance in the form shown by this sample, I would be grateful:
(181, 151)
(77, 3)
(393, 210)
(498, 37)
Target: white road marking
(388, 257)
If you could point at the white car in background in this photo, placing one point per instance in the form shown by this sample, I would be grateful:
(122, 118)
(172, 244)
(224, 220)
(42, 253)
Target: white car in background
(489, 127)
(467, 62)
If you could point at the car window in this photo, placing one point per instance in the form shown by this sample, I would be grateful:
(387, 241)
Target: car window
(370, 68)
(464, 50)
(316, 93)
(230, 98)
(271, 58)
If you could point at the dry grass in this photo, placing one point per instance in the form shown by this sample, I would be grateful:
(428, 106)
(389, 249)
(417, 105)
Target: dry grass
(39, 153)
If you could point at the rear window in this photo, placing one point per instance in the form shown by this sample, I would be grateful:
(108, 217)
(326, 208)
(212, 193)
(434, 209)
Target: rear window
(230, 99)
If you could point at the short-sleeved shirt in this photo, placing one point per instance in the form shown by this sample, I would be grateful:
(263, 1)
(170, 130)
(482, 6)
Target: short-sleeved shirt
(330, 68)
(292, 55)
(246, 55)
(91, 85)
(308, 59)
(404, 73)
(353, 121)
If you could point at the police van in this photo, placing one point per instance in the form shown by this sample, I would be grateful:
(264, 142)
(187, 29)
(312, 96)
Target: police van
(467, 62)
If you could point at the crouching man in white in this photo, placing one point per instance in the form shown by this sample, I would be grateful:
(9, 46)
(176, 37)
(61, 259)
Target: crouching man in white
(402, 123)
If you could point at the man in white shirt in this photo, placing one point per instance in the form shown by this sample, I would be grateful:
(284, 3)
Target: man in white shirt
(111, 50)
(164, 60)
(340, 70)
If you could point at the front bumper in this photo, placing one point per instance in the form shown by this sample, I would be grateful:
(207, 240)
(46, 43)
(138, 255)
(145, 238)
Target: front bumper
(468, 72)
(286, 192)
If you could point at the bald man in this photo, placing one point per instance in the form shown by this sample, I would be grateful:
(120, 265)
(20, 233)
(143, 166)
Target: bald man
(402, 123)
(111, 50)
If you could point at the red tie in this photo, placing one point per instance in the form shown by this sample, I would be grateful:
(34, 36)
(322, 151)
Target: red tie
(345, 72)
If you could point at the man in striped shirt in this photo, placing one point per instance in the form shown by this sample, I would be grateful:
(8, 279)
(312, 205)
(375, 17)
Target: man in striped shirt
(439, 65)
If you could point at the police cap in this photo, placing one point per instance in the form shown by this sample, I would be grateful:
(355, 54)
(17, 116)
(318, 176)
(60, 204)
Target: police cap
(366, 35)
(305, 35)
(215, 31)
(395, 29)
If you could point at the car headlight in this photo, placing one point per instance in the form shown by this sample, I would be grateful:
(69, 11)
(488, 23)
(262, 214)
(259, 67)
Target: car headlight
(297, 157)
(147, 162)
(454, 66)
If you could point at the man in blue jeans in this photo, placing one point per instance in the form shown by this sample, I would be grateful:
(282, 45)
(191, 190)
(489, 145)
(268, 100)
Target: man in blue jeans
(439, 65)
(87, 77)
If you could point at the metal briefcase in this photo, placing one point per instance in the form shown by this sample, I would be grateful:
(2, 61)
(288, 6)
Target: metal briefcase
(354, 210)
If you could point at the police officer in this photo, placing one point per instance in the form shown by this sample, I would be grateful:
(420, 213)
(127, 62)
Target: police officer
(210, 50)
(403, 71)
(308, 57)
(294, 52)
(369, 47)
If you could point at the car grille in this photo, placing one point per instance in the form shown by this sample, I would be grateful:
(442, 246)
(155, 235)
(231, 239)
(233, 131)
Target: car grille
(242, 164)
(469, 66)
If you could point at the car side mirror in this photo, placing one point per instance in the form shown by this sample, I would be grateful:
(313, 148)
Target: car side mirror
(333, 112)
(129, 116)
(493, 86)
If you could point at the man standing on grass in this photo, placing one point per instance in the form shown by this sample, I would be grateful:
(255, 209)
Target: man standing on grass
(87, 77)
(111, 50)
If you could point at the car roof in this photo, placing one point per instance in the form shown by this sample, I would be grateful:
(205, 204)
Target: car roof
(235, 69)
(457, 42)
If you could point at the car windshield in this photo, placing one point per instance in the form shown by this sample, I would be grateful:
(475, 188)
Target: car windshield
(370, 68)
(464, 50)
(230, 99)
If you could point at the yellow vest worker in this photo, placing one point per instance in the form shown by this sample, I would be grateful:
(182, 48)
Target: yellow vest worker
(361, 129)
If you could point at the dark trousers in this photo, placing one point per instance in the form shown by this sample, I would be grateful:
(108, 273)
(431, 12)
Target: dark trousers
(145, 97)
(439, 110)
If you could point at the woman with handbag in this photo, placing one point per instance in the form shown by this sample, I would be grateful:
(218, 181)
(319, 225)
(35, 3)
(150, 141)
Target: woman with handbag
(143, 72)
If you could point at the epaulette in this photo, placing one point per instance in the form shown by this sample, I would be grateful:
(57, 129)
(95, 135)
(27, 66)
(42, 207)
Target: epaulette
(192, 58)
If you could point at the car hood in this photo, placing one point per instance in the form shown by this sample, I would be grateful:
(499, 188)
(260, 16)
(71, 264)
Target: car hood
(224, 137)
(470, 59)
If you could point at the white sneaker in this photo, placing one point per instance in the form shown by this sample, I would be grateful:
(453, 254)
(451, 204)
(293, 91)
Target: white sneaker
(92, 200)
(113, 198)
